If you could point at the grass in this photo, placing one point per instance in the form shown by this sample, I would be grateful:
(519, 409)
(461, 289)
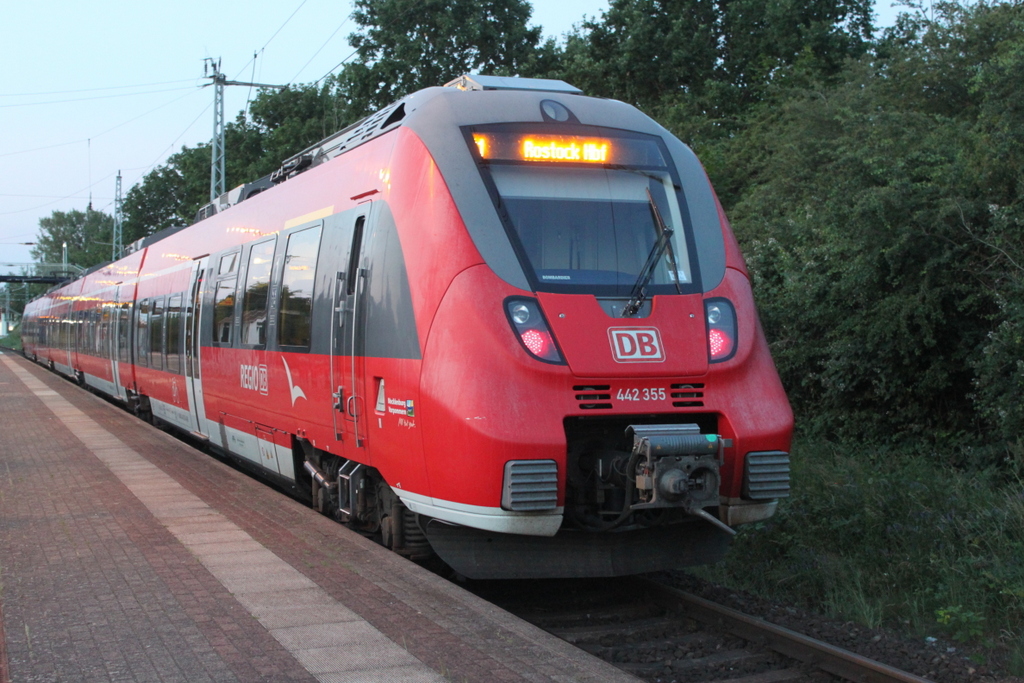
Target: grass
(12, 340)
(893, 538)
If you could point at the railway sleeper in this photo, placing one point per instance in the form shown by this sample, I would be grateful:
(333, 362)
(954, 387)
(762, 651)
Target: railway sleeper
(728, 659)
(607, 645)
(616, 613)
(639, 629)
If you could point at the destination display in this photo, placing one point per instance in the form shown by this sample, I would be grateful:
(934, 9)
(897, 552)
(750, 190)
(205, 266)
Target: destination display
(567, 149)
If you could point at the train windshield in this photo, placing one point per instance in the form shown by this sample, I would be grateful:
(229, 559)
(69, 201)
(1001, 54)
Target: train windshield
(585, 212)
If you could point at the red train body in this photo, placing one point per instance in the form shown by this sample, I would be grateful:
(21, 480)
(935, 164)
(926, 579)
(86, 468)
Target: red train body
(500, 321)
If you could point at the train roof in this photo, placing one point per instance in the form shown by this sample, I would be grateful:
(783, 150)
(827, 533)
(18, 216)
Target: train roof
(373, 126)
(437, 114)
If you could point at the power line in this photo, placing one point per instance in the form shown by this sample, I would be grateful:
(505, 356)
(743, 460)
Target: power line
(173, 142)
(71, 92)
(412, 6)
(329, 39)
(336, 66)
(89, 99)
(279, 28)
(108, 130)
(282, 25)
(68, 196)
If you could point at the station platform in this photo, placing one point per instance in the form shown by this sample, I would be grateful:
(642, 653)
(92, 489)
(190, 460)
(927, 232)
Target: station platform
(127, 555)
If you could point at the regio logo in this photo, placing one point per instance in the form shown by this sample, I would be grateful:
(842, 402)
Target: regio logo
(254, 378)
(636, 344)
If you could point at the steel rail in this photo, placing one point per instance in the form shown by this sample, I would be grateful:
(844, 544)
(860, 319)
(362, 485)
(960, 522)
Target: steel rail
(834, 660)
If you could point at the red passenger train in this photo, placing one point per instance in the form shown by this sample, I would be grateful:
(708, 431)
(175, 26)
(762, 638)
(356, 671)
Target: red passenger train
(497, 320)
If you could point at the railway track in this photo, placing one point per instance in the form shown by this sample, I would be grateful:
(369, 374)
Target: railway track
(661, 634)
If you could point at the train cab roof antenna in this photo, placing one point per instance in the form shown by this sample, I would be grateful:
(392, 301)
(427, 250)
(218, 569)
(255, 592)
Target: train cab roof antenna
(218, 81)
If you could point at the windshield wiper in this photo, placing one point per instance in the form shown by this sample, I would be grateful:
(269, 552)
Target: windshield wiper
(661, 245)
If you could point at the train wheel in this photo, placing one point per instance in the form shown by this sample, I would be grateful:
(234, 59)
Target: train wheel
(385, 499)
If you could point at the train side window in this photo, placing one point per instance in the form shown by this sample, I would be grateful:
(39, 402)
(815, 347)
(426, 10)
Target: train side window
(223, 311)
(103, 341)
(156, 334)
(80, 330)
(142, 334)
(295, 314)
(353, 256)
(228, 263)
(255, 296)
(98, 331)
(174, 333)
(124, 320)
(68, 331)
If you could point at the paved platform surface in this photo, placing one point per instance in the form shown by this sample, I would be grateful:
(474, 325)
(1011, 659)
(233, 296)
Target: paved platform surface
(126, 555)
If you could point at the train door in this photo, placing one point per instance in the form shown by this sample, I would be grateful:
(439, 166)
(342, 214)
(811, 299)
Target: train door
(193, 371)
(117, 335)
(347, 339)
(66, 362)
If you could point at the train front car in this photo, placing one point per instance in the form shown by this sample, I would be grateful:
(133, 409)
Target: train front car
(597, 397)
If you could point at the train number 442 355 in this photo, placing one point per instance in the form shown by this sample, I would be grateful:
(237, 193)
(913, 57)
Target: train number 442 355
(645, 394)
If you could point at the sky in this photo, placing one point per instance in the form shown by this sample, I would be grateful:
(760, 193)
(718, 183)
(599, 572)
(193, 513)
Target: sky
(92, 89)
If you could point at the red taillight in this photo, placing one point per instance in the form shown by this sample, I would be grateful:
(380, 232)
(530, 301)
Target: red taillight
(536, 342)
(721, 319)
(719, 344)
(527, 320)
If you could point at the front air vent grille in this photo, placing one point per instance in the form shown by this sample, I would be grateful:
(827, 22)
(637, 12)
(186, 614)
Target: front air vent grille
(688, 395)
(530, 486)
(766, 475)
(592, 396)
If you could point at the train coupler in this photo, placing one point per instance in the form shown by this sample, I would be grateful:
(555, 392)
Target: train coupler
(677, 467)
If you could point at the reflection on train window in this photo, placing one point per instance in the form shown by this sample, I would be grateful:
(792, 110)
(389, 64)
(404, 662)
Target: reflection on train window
(142, 334)
(104, 345)
(174, 333)
(223, 311)
(294, 320)
(228, 264)
(254, 301)
(124, 319)
(81, 331)
(156, 334)
(592, 229)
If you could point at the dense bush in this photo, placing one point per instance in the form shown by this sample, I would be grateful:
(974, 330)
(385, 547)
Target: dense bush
(880, 214)
(891, 538)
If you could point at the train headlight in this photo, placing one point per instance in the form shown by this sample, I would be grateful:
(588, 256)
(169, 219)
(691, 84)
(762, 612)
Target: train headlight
(721, 317)
(532, 329)
(520, 313)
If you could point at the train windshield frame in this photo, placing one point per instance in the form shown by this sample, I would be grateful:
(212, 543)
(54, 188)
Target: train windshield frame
(576, 203)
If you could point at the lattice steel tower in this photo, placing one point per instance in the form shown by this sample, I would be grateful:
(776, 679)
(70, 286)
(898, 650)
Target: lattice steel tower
(117, 243)
(217, 156)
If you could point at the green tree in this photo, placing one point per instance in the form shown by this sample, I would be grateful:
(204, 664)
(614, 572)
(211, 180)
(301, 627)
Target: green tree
(883, 230)
(711, 57)
(169, 195)
(407, 45)
(281, 124)
(996, 173)
(87, 234)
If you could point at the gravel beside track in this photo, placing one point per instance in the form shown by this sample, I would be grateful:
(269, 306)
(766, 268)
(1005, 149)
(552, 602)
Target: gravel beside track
(937, 660)
(613, 619)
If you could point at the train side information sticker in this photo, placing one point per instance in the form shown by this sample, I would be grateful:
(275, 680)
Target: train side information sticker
(636, 344)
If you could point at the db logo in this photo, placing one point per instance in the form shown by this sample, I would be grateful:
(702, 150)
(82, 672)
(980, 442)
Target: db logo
(636, 344)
